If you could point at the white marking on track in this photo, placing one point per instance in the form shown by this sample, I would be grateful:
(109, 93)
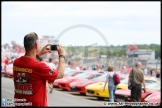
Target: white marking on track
(13, 92)
(8, 90)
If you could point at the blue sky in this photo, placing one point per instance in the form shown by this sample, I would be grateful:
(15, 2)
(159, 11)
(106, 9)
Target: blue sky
(119, 22)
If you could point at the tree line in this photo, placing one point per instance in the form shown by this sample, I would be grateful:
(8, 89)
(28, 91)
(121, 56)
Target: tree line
(118, 51)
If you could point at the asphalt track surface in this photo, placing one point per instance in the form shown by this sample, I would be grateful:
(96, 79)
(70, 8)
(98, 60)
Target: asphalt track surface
(57, 98)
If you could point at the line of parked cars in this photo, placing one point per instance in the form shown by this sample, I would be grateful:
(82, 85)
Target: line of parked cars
(91, 83)
(7, 71)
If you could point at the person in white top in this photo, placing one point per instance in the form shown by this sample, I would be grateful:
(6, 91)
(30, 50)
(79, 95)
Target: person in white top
(145, 71)
(52, 66)
(77, 68)
(111, 83)
(124, 67)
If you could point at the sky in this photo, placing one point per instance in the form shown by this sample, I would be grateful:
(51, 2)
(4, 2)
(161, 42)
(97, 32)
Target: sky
(83, 23)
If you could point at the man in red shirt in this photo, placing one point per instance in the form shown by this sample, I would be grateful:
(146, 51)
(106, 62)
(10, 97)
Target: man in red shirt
(6, 61)
(30, 74)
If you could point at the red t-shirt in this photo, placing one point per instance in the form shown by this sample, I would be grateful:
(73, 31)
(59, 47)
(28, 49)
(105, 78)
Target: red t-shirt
(6, 61)
(30, 78)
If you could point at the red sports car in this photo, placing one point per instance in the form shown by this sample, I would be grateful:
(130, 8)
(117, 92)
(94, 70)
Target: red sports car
(9, 71)
(68, 73)
(64, 83)
(154, 97)
(79, 85)
(72, 73)
(125, 70)
(123, 95)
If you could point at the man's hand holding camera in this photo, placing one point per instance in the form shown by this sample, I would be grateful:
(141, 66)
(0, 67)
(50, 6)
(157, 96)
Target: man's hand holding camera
(60, 50)
(46, 49)
(61, 53)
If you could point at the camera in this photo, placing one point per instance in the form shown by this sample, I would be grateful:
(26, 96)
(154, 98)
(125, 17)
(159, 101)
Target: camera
(54, 47)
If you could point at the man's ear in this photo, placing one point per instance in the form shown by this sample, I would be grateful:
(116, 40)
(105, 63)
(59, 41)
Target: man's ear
(36, 46)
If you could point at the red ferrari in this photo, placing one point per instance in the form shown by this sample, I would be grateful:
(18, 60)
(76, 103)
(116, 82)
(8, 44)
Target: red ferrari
(9, 71)
(68, 73)
(65, 82)
(154, 97)
(123, 95)
(79, 85)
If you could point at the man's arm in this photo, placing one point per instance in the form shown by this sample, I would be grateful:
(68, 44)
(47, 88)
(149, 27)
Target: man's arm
(143, 81)
(128, 80)
(61, 68)
(130, 76)
(144, 84)
(61, 65)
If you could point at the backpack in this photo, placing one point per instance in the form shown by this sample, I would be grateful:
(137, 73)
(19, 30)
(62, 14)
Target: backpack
(116, 79)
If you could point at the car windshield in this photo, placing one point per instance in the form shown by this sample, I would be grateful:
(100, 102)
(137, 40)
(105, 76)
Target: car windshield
(149, 81)
(83, 75)
(100, 78)
(157, 79)
(124, 81)
(124, 71)
(155, 85)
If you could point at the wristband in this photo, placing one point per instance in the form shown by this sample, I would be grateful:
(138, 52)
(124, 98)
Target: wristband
(38, 57)
(62, 56)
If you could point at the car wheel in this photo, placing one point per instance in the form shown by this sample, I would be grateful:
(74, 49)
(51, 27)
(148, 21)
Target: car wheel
(148, 95)
(100, 98)
(55, 86)
(83, 94)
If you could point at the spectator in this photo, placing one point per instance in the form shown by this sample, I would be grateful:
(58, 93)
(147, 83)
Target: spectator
(52, 66)
(77, 67)
(67, 67)
(94, 67)
(97, 66)
(145, 71)
(74, 63)
(56, 63)
(41, 60)
(138, 80)
(6, 61)
(103, 67)
(152, 71)
(5, 70)
(35, 90)
(158, 74)
(124, 67)
(111, 84)
(69, 63)
(84, 68)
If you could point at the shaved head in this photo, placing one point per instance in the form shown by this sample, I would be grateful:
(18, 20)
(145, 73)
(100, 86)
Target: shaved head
(138, 64)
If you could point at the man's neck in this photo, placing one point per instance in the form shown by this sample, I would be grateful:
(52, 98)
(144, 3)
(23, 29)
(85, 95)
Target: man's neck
(31, 54)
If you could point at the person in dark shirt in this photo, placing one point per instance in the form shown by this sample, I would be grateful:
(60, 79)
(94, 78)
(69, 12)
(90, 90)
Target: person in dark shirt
(158, 74)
